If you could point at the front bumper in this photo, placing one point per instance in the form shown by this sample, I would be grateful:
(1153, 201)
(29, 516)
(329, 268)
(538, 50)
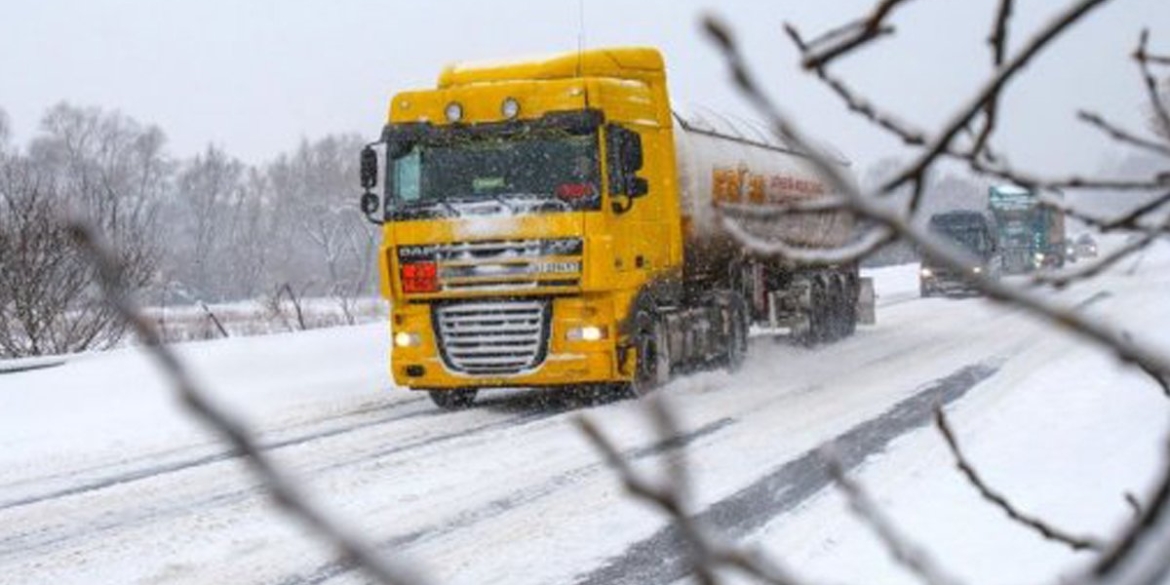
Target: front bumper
(565, 362)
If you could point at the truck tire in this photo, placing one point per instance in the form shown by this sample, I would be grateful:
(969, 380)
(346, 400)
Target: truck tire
(818, 315)
(837, 306)
(737, 344)
(852, 291)
(453, 399)
(651, 355)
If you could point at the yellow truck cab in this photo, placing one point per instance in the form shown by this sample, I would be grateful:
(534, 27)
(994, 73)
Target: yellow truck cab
(534, 232)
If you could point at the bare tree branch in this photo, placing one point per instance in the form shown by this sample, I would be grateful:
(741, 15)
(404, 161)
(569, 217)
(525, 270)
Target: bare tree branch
(1121, 135)
(668, 497)
(906, 553)
(706, 553)
(1142, 554)
(1142, 56)
(991, 89)
(1000, 501)
(998, 42)
(1063, 279)
(865, 207)
(282, 489)
(848, 38)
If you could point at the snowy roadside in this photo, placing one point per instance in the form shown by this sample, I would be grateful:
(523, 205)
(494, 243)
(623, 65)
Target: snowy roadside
(1063, 429)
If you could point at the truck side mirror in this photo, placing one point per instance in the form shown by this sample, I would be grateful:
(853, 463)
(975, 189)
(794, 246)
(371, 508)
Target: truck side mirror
(370, 206)
(369, 168)
(631, 152)
(625, 160)
(637, 187)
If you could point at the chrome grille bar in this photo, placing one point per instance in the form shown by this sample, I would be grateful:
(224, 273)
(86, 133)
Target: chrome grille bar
(497, 338)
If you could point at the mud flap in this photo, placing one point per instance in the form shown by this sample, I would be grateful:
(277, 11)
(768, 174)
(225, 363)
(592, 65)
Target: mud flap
(866, 299)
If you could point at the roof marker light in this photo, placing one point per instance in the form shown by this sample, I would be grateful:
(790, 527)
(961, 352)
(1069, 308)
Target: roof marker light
(510, 108)
(454, 112)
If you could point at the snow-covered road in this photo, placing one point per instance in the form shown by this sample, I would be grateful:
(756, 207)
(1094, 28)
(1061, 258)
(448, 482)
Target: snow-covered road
(103, 479)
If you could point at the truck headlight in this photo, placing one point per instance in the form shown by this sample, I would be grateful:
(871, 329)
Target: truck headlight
(977, 269)
(926, 273)
(407, 339)
(586, 333)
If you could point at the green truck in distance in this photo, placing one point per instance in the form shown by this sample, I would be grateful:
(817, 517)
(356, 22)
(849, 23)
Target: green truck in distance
(1030, 235)
(972, 232)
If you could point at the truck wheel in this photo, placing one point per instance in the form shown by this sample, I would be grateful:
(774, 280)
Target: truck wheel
(653, 363)
(453, 399)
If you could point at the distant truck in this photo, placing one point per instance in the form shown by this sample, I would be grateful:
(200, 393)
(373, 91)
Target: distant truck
(971, 231)
(555, 223)
(1030, 235)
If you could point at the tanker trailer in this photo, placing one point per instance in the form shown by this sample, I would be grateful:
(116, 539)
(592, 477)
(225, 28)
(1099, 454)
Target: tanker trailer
(552, 223)
(732, 174)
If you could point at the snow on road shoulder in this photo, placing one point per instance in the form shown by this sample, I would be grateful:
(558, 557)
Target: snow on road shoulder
(106, 407)
(1063, 429)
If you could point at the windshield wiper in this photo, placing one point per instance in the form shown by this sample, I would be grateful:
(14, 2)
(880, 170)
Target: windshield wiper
(451, 208)
(504, 202)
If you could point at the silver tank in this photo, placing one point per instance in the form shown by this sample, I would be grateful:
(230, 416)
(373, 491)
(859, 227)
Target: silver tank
(728, 168)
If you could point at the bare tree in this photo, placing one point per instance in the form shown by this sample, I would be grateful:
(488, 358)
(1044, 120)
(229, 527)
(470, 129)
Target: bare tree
(100, 166)
(207, 195)
(5, 131)
(316, 213)
(48, 303)
(1140, 554)
(112, 171)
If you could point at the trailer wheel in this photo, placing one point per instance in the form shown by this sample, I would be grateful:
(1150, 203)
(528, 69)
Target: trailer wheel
(851, 293)
(737, 344)
(818, 315)
(837, 316)
(453, 399)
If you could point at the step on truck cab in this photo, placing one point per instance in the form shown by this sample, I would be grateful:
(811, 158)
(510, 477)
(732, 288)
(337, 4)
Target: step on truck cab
(553, 223)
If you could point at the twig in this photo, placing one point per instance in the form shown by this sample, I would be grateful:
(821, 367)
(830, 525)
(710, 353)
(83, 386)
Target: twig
(1134, 505)
(1064, 279)
(852, 36)
(1121, 135)
(866, 207)
(665, 497)
(282, 490)
(706, 553)
(1143, 555)
(999, 33)
(998, 43)
(1077, 543)
(1142, 56)
(215, 320)
(990, 90)
(906, 553)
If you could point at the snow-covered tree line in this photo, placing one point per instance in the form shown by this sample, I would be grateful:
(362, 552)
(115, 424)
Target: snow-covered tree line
(202, 229)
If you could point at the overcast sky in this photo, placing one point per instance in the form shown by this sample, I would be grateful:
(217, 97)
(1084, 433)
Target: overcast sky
(255, 76)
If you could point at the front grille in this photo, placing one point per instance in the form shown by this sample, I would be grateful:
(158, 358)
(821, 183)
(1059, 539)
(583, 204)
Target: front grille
(493, 338)
(502, 265)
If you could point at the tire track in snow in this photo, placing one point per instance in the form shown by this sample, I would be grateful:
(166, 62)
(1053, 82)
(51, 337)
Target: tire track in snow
(189, 463)
(40, 539)
(662, 557)
(497, 507)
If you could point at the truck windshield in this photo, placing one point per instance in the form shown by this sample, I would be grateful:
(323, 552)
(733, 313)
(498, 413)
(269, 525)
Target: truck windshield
(973, 239)
(538, 172)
